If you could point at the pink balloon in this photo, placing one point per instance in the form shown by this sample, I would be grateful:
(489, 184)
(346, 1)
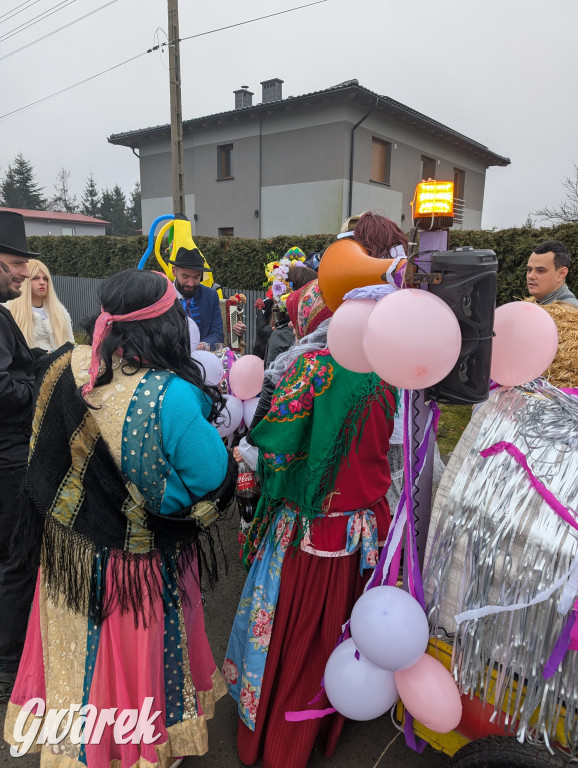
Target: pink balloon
(429, 693)
(246, 376)
(412, 339)
(345, 334)
(356, 687)
(249, 408)
(524, 345)
(230, 417)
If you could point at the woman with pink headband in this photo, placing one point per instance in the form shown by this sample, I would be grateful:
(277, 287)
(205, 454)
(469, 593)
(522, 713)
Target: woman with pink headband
(126, 475)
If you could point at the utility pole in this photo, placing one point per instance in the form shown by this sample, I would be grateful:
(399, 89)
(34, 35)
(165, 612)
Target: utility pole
(176, 110)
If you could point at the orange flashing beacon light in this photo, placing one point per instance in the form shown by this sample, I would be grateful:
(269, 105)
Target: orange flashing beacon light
(434, 204)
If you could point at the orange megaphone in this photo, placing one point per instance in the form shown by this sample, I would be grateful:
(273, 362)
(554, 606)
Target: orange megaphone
(347, 265)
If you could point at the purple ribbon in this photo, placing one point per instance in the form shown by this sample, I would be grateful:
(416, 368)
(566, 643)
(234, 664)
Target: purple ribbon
(561, 647)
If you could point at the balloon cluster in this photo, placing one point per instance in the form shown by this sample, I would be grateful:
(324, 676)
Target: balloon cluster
(385, 659)
(412, 339)
(245, 381)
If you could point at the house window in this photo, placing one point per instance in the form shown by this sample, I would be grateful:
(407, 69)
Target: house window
(380, 161)
(459, 183)
(428, 168)
(225, 162)
(226, 231)
(68, 230)
(459, 191)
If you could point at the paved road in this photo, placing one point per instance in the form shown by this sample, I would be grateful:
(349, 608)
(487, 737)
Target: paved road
(362, 744)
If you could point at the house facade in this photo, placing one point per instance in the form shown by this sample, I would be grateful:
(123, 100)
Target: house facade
(57, 223)
(301, 165)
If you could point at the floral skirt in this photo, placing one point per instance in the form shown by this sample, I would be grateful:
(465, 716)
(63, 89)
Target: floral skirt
(315, 598)
(68, 662)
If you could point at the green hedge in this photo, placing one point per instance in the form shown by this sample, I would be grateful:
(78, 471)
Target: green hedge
(238, 262)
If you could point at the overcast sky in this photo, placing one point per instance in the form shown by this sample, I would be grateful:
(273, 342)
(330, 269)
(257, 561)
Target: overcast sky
(503, 72)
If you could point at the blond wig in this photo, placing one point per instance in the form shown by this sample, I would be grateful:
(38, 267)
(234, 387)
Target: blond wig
(21, 308)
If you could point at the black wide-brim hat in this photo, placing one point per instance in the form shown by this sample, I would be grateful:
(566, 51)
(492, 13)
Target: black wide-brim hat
(188, 259)
(13, 235)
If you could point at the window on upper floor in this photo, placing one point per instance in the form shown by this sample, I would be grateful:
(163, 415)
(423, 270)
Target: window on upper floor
(225, 162)
(428, 168)
(68, 230)
(459, 183)
(380, 160)
(459, 192)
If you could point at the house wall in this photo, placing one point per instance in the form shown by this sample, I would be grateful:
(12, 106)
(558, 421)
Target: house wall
(291, 172)
(43, 227)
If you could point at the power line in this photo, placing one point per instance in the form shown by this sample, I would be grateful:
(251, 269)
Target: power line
(80, 18)
(35, 20)
(15, 11)
(70, 87)
(250, 21)
(139, 55)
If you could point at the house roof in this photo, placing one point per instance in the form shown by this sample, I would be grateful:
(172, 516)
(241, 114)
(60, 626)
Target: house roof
(350, 89)
(72, 218)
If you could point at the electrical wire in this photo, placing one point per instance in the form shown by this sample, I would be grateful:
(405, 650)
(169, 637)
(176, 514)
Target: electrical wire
(35, 20)
(70, 87)
(250, 21)
(80, 18)
(15, 11)
(138, 56)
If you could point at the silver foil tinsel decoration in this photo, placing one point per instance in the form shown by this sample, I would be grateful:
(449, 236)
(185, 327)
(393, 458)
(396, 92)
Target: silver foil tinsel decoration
(493, 540)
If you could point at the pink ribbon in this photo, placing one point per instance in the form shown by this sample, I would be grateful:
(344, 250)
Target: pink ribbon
(568, 639)
(103, 327)
(547, 495)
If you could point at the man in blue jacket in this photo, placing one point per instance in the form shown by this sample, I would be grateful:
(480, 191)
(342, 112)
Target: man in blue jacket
(201, 304)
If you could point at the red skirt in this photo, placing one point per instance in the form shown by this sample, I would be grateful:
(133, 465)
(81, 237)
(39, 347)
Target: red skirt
(315, 599)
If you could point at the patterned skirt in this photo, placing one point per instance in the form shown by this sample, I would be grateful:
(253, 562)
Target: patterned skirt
(166, 668)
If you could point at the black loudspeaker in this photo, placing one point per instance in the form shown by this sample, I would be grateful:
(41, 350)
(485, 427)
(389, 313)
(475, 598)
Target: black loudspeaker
(468, 287)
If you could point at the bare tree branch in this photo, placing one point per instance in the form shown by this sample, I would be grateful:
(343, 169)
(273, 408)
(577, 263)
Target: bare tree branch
(568, 209)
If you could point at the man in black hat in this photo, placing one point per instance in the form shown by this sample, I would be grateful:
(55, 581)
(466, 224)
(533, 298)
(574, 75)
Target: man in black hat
(201, 304)
(16, 385)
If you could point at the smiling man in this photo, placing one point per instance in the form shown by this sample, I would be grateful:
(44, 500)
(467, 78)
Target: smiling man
(16, 384)
(546, 273)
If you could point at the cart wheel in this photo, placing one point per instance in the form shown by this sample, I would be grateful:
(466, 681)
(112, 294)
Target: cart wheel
(505, 752)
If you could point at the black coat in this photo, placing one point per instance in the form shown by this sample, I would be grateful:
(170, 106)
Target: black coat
(16, 386)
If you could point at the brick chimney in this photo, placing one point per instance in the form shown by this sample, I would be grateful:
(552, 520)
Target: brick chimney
(272, 90)
(243, 97)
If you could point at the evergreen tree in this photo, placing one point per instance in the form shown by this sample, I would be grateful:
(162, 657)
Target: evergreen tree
(90, 203)
(134, 210)
(113, 209)
(63, 200)
(19, 189)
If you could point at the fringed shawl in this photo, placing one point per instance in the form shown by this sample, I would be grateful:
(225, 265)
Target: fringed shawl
(317, 410)
(81, 515)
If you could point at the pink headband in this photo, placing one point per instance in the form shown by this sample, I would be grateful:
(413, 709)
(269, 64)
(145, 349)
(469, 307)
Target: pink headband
(103, 327)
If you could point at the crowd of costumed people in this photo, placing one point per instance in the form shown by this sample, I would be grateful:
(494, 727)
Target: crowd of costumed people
(135, 438)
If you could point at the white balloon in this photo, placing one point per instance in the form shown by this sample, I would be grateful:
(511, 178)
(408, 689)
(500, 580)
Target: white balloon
(230, 417)
(249, 408)
(213, 367)
(389, 627)
(194, 334)
(356, 687)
